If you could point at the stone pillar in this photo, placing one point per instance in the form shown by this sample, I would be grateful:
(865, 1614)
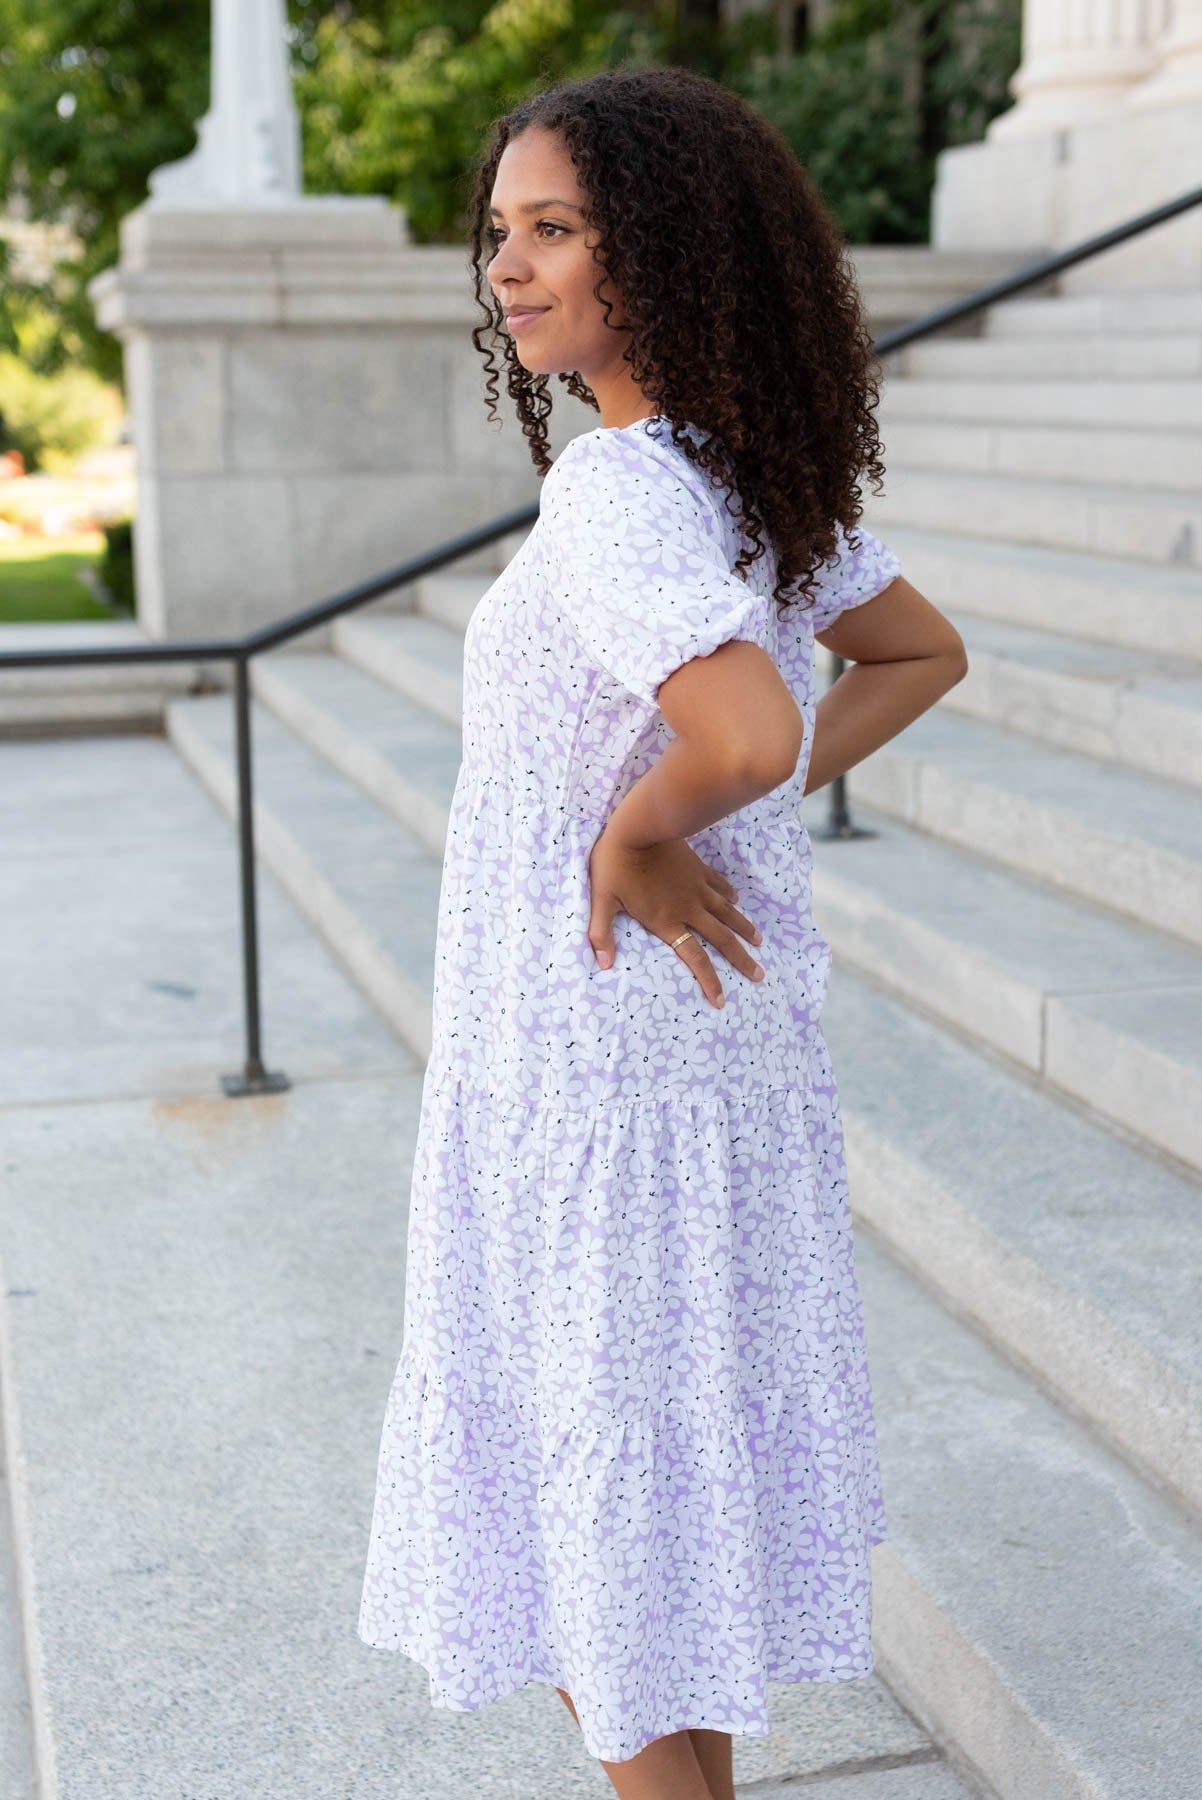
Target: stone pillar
(1080, 57)
(307, 406)
(1107, 125)
(307, 403)
(1178, 73)
(248, 145)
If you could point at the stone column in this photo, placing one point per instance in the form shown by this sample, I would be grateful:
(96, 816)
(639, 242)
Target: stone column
(307, 407)
(307, 403)
(248, 143)
(1080, 58)
(1178, 74)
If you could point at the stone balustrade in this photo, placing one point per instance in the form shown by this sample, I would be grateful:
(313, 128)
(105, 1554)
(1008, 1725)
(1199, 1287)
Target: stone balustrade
(1082, 58)
(1107, 123)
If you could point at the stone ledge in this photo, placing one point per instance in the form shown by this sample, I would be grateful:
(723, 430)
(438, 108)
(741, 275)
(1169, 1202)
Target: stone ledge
(95, 694)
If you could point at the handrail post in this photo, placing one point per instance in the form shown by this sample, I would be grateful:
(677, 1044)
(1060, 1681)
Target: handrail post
(838, 818)
(253, 1078)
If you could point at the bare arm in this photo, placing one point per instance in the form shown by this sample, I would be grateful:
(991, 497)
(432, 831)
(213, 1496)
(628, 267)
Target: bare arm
(739, 731)
(905, 656)
(738, 734)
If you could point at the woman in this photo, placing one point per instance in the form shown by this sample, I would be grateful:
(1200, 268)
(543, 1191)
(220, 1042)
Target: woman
(629, 1447)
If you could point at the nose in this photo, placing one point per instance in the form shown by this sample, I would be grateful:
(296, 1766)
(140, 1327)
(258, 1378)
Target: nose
(506, 265)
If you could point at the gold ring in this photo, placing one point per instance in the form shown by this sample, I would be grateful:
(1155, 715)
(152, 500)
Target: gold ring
(681, 938)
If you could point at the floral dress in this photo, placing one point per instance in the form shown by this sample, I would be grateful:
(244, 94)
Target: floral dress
(628, 1448)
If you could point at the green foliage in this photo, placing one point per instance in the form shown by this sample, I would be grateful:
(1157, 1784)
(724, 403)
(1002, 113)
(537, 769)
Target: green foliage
(50, 419)
(974, 49)
(879, 93)
(93, 95)
(116, 567)
(846, 112)
(403, 109)
(396, 97)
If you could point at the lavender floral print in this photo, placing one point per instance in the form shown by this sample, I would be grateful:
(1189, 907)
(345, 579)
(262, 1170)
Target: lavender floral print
(629, 1445)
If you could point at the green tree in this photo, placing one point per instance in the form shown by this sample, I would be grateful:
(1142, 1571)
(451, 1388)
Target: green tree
(93, 95)
(396, 96)
(401, 107)
(51, 418)
(874, 97)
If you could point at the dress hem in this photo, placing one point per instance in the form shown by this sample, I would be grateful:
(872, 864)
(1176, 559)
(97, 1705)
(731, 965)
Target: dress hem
(761, 1728)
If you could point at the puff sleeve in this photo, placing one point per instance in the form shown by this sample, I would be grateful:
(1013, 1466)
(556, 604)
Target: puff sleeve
(859, 569)
(637, 548)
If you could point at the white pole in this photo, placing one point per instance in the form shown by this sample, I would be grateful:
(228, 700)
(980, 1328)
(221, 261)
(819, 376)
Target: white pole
(248, 151)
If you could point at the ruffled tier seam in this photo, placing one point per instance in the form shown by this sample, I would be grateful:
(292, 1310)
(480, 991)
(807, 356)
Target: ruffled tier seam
(762, 1415)
(750, 1407)
(557, 1106)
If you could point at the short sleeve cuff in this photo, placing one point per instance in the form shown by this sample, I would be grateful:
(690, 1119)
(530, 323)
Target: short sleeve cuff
(738, 617)
(861, 568)
(638, 550)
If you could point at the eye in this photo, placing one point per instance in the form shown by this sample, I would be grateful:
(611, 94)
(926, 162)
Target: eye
(495, 234)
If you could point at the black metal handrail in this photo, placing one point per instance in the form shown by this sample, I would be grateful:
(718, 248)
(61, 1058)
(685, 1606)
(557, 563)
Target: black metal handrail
(839, 823)
(254, 1077)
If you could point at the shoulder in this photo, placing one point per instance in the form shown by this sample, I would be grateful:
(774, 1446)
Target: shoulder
(639, 473)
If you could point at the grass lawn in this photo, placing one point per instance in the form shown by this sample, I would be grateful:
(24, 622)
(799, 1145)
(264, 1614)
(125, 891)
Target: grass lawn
(39, 578)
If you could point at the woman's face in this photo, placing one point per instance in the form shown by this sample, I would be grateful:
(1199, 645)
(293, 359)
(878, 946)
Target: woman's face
(543, 260)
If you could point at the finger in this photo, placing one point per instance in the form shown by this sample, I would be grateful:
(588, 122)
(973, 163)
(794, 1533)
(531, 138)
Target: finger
(724, 885)
(738, 921)
(730, 945)
(692, 953)
(601, 929)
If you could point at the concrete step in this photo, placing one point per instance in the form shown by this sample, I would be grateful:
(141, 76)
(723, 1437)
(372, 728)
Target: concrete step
(921, 1776)
(203, 1300)
(369, 888)
(1076, 1256)
(450, 599)
(1139, 708)
(1092, 315)
(478, 570)
(127, 696)
(1053, 815)
(996, 959)
(1111, 358)
(1035, 975)
(1140, 524)
(1099, 599)
(970, 1446)
(1036, 1602)
(416, 654)
(1109, 835)
(393, 749)
(1150, 456)
(26, 1743)
(1106, 1012)
(1131, 405)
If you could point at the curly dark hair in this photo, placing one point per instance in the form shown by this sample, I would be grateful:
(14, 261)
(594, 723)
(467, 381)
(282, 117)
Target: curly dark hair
(740, 298)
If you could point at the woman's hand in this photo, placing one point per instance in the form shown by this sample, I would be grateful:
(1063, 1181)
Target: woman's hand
(668, 888)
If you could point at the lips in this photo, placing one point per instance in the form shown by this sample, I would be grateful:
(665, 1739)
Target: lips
(521, 315)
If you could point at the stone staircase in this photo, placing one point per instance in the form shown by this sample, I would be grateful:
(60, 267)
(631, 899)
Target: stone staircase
(1015, 1017)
